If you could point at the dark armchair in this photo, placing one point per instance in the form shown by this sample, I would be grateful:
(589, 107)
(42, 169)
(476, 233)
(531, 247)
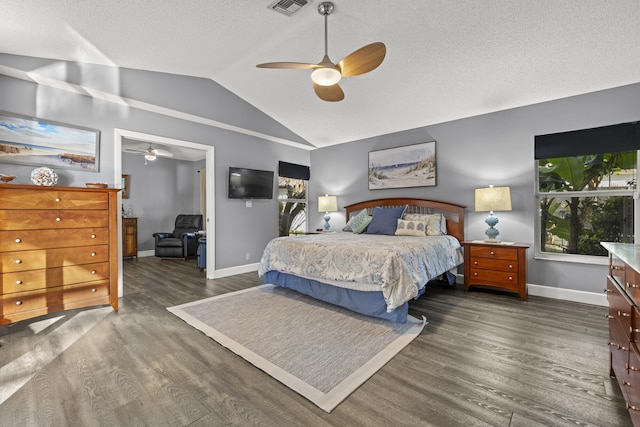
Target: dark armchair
(183, 241)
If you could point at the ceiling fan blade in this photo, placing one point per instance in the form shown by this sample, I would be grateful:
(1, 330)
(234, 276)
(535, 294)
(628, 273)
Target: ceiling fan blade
(290, 65)
(162, 153)
(363, 60)
(329, 93)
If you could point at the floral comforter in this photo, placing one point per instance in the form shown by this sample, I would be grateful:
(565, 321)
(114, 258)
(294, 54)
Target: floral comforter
(399, 265)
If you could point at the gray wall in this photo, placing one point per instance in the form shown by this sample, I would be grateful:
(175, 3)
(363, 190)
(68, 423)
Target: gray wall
(159, 191)
(238, 229)
(475, 152)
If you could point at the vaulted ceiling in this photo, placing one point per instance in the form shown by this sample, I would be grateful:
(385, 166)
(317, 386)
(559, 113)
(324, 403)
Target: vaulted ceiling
(445, 59)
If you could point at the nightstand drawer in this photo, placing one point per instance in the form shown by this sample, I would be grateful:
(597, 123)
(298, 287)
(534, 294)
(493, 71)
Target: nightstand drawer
(479, 277)
(494, 264)
(494, 251)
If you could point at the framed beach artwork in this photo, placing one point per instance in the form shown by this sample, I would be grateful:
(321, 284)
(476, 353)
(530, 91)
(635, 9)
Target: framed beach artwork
(38, 142)
(401, 167)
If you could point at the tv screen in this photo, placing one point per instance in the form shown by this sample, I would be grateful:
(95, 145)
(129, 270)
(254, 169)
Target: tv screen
(250, 184)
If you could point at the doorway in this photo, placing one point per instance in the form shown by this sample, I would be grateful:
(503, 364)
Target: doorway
(119, 135)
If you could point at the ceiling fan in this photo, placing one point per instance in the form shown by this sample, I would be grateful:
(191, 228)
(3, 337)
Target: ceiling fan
(150, 154)
(326, 74)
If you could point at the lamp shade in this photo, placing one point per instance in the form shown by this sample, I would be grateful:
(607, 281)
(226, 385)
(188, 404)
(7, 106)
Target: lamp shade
(325, 76)
(493, 199)
(327, 203)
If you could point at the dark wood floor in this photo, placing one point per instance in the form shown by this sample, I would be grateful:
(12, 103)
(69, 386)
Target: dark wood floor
(485, 358)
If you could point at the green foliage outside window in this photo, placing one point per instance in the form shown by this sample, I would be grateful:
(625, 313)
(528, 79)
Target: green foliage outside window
(292, 206)
(576, 224)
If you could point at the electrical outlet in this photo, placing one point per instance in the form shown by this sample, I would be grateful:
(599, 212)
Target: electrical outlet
(248, 256)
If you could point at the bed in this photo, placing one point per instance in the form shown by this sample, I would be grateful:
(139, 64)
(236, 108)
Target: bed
(386, 255)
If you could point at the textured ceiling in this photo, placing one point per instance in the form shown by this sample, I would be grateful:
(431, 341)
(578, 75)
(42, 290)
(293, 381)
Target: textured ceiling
(445, 59)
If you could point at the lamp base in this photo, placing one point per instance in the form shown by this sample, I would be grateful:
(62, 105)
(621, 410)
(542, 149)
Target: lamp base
(326, 218)
(492, 232)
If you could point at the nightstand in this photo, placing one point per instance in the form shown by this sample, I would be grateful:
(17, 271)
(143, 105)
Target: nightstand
(496, 265)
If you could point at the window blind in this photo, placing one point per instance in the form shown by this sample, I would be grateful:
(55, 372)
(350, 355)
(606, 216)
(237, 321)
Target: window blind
(292, 170)
(605, 139)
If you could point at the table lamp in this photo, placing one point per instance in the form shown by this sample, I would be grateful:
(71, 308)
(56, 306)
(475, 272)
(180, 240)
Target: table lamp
(493, 199)
(327, 204)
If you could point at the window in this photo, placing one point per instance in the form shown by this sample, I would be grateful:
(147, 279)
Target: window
(292, 198)
(584, 198)
(292, 205)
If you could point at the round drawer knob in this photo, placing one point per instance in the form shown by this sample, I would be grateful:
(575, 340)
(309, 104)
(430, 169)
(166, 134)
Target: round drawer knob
(93, 254)
(57, 199)
(475, 262)
(510, 266)
(58, 219)
(93, 236)
(18, 261)
(475, 274)
(93, 290)
(93, 272)
(18, 240)
(493, 253)
(510, 278)
(18, 282)
(18, 302)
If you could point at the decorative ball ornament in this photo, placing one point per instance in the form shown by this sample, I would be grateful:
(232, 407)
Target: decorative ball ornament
(44, 176)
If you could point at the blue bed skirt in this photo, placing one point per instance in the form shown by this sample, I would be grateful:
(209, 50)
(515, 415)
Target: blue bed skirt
(369, 303)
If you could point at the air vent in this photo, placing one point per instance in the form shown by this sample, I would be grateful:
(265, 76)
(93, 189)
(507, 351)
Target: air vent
(288, 7)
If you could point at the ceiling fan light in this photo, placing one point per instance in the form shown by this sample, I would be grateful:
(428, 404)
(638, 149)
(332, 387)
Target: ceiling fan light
(325, 76)
(150, 156)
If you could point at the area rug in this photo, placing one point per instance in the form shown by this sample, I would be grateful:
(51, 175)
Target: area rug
(321, 351)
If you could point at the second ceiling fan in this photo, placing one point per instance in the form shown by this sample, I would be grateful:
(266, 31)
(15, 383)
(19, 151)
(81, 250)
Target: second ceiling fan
(326, 74)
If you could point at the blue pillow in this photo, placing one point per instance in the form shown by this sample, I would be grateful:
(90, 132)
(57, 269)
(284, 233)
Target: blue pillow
(385, 220)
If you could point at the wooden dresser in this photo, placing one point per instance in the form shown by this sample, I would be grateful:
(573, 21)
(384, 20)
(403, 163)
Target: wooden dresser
(58, 249)
(496, 265)
(623, 294)
(129, 237)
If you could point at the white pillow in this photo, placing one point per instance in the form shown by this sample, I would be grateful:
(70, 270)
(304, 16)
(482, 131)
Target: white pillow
(436, 223)
(411, 228)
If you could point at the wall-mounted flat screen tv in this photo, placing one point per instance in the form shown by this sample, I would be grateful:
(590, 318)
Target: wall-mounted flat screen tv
(250, 184)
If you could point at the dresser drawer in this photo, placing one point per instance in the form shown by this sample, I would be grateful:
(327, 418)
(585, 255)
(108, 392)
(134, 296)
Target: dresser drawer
(619, 346)
(25, 240)
(632, 284)
(620, 305)
(48, 258)
(47, 219)
(493, 252)
(617, 269)
(489, 277)
(631, 384)
(27, 301)
(52, 277)
(53, 199)
(494, 264)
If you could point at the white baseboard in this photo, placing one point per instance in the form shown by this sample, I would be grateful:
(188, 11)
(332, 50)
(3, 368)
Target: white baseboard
(592, 298)
(142, 254)
(224, 272)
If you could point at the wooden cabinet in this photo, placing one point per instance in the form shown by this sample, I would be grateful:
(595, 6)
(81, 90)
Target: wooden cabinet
(623, 295)
(129, 237)
(496, 265)
(58, 249)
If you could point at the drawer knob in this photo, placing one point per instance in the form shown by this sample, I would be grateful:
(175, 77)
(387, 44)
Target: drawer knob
(632, 368)
(475, 274)
(475, 263)
(615, 267)
(493, 253)
(608, 316)
(608, 290)
(612, 344)
(93, 236)
(633, 285)
(93, 289)
(18, 240)
(93, 272)
(93, 254)
(18, 261)
(627, 383)
(623, 348)
(510, 266)
(510, 278)
(623, 314)
(58, 219)
(18, 302)
(18, 282)
(633, 408)
(57, 199)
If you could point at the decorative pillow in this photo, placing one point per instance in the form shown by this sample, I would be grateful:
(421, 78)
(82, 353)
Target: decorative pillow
(385, 220)
(411, 228)
(436, 223)
(359, 222)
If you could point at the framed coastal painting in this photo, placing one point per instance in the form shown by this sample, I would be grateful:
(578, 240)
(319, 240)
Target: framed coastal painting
(401, 167)
(38, 142)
